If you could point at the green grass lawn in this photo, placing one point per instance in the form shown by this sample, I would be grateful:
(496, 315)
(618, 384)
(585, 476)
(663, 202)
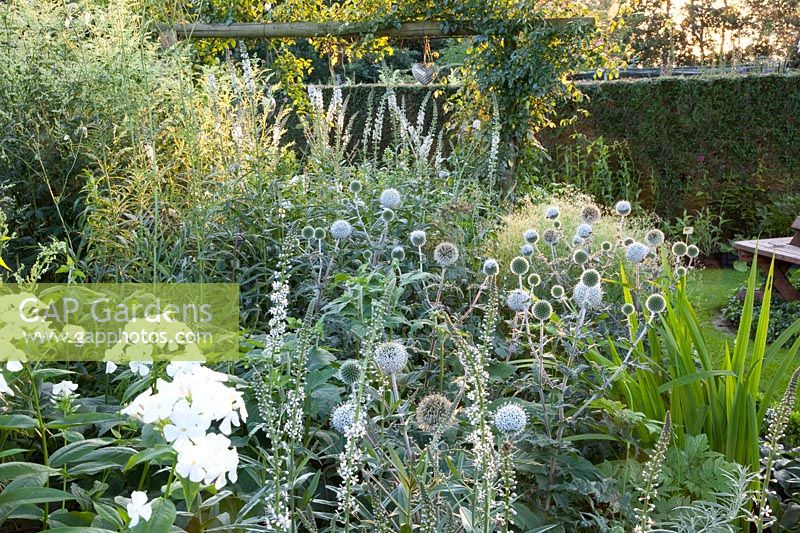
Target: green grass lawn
(709, 290)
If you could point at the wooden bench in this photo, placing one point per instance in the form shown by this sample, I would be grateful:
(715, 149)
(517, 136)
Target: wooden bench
(785, 250)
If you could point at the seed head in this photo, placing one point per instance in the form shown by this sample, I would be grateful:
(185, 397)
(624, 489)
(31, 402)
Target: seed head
(623, 208)
(606, 246)
(583, 231)
(445, 254)
(390, 199)
(557, 292)
(680, 271)
(526, 250)
(679, 249)
(590, 214)
(341, 229)
(654, 237)
(636, 252)
(491, 267)
(343, 417)
(531, 236)
(398, 253)
(551, 213)
(534, 280)
(350, 372)
(628, 309)
(590, 278)
(692, 251)
(551, 236)
(319, 233)
(588, 297)
(434, 412)
(510, 418)
(580, 257)
(355, 187)
(518, 300)
(307, 232)
(656, 304)
(418, 238)
(577, 240)
(391, 357)
(387, 215)
(542, 310)
(519, 266)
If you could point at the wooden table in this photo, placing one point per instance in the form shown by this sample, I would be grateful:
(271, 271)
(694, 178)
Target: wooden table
(785, 251)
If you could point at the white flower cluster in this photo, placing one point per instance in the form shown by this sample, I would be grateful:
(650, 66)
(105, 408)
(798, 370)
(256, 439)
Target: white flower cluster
(185, 409)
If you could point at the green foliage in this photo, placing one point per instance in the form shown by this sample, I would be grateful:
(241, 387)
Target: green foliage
(783, 315)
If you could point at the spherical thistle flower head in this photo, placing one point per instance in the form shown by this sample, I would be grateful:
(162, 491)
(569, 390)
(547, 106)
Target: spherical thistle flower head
(557, 292)
(519, 266)
(387, 215)
(628, 241)
(654, 237)
(628, 309)
(580, 257)
(606, 246)
(443, 174)
(434, 412)
(526, 250)
(590, 214)
(518, 300)
(584, 231)
(510, 418)
(391, 199)
(534, 280)
(679, 249)
(656, 304)
(445, 254)
(588, 297)
(491, 267)
(577, 240)
(391, 357)
(551, 236)
(350, 372)
(552, 212)
(531, 236)
(319, 233)
(692, 251)
(557, 224)
(680, 271)
(590, 277)
(418, 238)
(636, 252)
(341, 230)
(623, 208)
(343, 417)
(355, 187)
(398, 253)
(542, 310)
(307, 232)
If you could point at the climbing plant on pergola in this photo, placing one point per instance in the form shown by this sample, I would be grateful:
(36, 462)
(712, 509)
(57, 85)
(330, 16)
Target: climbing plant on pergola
(518, 66)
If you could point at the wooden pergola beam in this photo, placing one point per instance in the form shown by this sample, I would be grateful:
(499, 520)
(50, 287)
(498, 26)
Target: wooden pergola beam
(305, 30)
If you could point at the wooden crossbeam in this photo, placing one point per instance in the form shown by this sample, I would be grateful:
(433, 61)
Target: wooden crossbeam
(304, 30)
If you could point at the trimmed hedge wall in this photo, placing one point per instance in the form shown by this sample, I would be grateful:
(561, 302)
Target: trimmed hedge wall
(730, 143)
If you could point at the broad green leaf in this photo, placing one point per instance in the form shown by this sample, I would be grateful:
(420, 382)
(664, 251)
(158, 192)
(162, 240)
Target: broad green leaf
(15, 470)
(23, 496)
(16, 422)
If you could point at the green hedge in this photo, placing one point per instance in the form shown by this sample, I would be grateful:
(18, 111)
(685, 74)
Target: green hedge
(730, 143)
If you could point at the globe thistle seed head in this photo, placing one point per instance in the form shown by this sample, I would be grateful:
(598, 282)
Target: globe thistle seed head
(445, 254)
(519, 266)
(319, 233)
(557, 224)
(387, 215)
(590, 277)
(583, 231)
(628, 309)
(628, 241)
(341, 230)
(580, 257)
(551, 236)
(692, 251)
(391, 357)
(350, 372)
(355, 187)
(343, 417)
(590, 214)
(307, 232)
(531, 236)
(491, 267)
(654, 237)
(542, 310)
(398, 253)
(518, 300)
(623, 208)
(679, 249)
(510, 418)
(588, 297)
(577, 240)
(418, 238)
(656, 304)
(434, 412)
(606, 246)
(526, 250)
(534, 280)
(680, 271)
(636, 252)
(390, 198)
(552, 212)
(443, 174)
(557, 292)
